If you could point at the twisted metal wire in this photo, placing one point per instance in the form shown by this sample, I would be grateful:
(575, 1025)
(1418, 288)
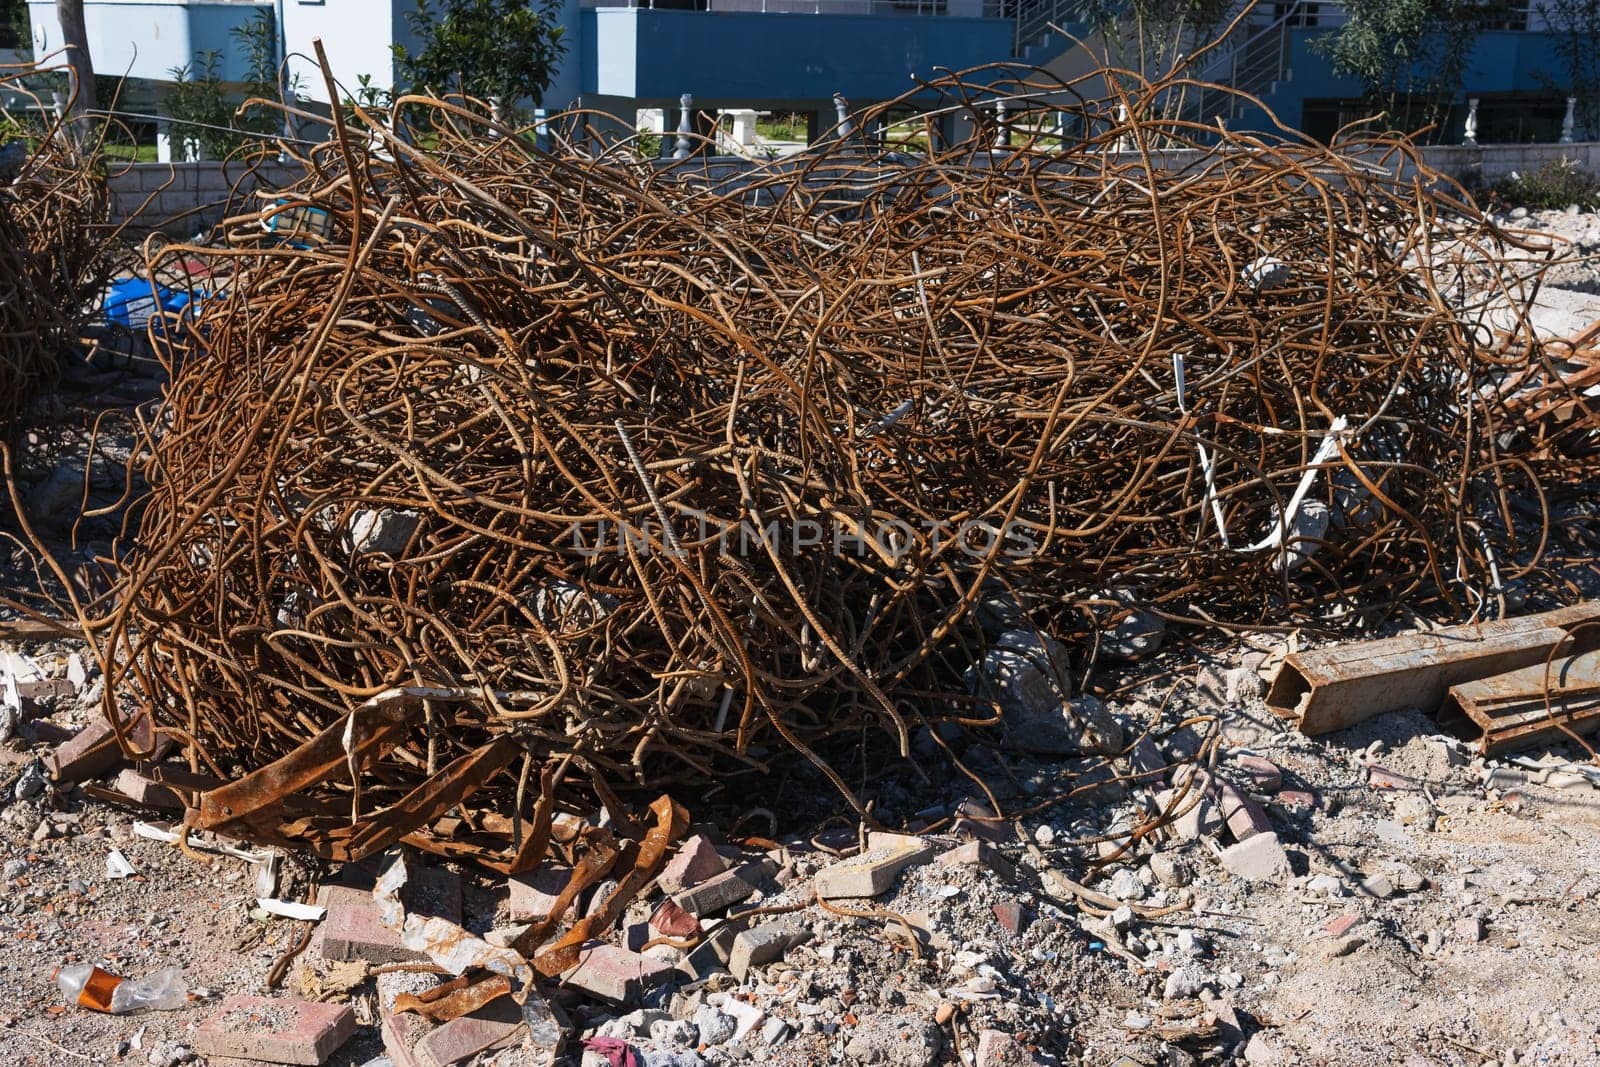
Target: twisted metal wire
(434, 375)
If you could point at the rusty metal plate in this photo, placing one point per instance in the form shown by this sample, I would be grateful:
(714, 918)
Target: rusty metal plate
(1332, 688)
(1535, 705)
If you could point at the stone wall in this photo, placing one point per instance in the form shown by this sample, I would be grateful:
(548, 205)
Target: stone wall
(1489, 163)
(185, 198)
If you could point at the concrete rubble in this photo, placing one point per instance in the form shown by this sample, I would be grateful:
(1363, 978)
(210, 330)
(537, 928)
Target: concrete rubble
(897, 948)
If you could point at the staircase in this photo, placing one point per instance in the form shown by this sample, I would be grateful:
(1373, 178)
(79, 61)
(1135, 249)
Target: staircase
(1253, 59)
(1033, 20)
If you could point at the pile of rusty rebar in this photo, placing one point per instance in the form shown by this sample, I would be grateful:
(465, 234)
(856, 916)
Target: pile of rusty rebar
(53, 207)
(497, 481)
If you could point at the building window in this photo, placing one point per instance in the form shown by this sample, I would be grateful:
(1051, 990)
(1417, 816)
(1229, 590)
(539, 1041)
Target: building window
(1520, 118)
(1504, 16)
(1305, 13)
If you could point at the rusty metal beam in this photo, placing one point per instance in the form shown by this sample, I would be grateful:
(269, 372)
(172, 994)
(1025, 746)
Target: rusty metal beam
(1535, 705)
(1335, 687)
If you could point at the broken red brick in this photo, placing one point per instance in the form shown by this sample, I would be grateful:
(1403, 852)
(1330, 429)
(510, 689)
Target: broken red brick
(1245, 818)
(274, 1031)
(1262, 775)
(978, 852)
(495, 1025)
(93, 750)
(715, 893)
(1380, 777)
(870, 873)
(695, 861)
(1340, 925)
(146, 793)
(997, 1049)
(1297, 798)
(354, 928)
(1011, 916)
(617, 975)
(977, 819)
(401, 1034)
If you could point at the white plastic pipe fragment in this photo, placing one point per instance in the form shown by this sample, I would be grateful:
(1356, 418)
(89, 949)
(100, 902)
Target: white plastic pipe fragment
(160, 832)
(1325, 452)
(291, 909)
(117, 865)
(1206, 467)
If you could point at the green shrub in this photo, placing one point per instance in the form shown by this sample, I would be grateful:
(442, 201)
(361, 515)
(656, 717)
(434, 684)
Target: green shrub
(1552, 187)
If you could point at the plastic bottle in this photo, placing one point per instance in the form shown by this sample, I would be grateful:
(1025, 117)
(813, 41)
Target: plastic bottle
(89, 987)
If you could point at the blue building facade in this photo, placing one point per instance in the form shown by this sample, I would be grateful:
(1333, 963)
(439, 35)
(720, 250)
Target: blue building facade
(1516, 73)
(624, 56)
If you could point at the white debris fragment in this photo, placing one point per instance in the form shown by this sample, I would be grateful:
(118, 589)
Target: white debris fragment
(384, 531)
(117, 865)
(1266, 272)
(291, 909)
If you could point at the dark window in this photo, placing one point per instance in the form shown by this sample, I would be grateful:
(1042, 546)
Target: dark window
(1504, 16)
(1520, 118)
(1305, 13)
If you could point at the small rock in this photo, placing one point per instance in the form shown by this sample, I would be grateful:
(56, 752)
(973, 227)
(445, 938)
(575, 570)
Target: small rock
(679, 1033)
(1182, 984)
(1171, 870)
(1412, 809)
(1136, 635)
(1122, 918)
(714, 1027)
(1125, 885)
(1325, 885)
(774, 1031)
(1335, 947)
(382, 532)
(1377, 885)
(896, 1040)
(1259, 858)
(1469, 929)
(677, 1057)
(32, 782)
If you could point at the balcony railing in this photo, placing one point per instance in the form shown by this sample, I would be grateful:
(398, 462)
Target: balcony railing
(805, 7)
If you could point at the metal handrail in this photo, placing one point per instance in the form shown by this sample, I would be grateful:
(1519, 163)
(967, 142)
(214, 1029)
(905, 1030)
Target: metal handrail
(791, 7)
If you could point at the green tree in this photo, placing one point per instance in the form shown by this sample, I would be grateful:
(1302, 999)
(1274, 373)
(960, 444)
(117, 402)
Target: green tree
(1410, 55)
(503, 51)
(14, 29)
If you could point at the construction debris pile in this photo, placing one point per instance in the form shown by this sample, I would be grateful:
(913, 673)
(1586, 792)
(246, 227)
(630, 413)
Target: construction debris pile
(52, 203)
(496, 482)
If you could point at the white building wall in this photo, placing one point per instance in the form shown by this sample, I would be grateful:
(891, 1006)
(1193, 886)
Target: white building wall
(358, 36)
(148, 38)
